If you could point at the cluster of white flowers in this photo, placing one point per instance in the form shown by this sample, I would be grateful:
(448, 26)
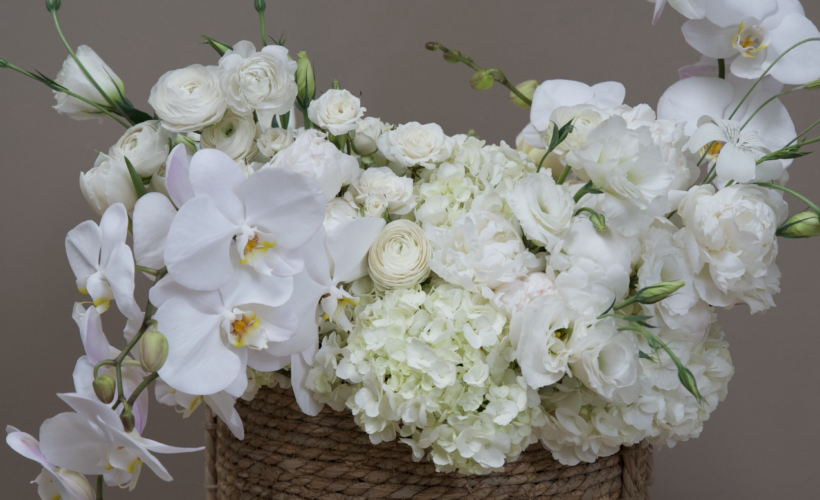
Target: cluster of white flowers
(469, 300)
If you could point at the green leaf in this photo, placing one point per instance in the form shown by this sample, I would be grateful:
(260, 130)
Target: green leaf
(136, 179)
(644, 355)
(283, 119)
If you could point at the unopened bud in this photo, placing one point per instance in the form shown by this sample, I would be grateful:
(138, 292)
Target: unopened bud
(259, 5)
(803, 225)
(305, 80)
(688, 380)
(658, 292)
(528, 89)
(813, 85)
(453, 57)
(599, 221)
(4, 63)
(153, 351)
(336, 85)
(127, 418)
(431, 46)
(52, 5)
(219, 47)
(189, 143)
(105, 388)
(482, 79)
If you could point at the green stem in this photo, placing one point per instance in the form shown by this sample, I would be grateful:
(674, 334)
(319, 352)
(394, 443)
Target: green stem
(149, 311)
(803, 133)
(767, 72)
(147, 270)
(541, 163)
(564, 174)
(806, 143)
(722, 69)
(99, 487)
(262, 28)
(308, 123)
(791, 192)
(145, 383)
(107, 362)
(758, 110)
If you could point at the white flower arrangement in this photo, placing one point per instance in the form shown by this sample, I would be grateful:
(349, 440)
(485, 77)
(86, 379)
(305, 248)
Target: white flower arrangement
(467, 299)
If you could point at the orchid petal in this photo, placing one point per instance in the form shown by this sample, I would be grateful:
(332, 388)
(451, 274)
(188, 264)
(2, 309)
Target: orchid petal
(659, 5)
(216, 175)
(317, 259)
(709, 39)
(289, 262)
(691, 9)
(96, 345)
(132, 377)
(113, 231)
(222, 404)
(82, 246)
(348, 245)
(69, 441)
(706, 134)
(167, 288)
(239, 384)
(732, 12)
(176, 174)
(554, 94)
(304, 398)
(801, 65)
(152, 218)
(26, 445)
(247, 286)
(120, 276)
(608, 94)
(688, 100)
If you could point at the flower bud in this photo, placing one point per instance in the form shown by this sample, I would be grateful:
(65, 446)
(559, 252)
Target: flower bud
(599, 221)
(52, 5)
(482, 79)
(105, 388)
(689, 383)
(190, 144)
(219, 47)
(305, 80)
(658, 292)
(153, 351)
(4, 63)
(453, 57)
(431, 46)
(127, 418)
(528, 89)
(259, 5)
(803, 225)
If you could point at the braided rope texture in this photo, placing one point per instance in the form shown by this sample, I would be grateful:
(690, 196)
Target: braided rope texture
(287, 455)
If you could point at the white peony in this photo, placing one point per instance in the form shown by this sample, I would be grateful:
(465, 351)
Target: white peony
(398, 191)
(273, 140)
(188, 99)
(481, 251)
(235, 136)
(146, 145)
(367, 134)
(73, 78)
(538, 335)
(414, 144)
(730, 241)
(511, 298)
(543, 208)
(108, 183)
(263, 80)
(313, 156)
(336, 111)
(398, 258)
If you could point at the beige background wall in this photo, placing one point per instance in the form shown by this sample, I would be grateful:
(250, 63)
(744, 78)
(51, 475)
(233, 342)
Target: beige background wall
(761, 443)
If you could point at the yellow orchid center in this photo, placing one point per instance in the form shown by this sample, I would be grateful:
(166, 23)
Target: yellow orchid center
(255, 250)
(246, 331)
(750, 39)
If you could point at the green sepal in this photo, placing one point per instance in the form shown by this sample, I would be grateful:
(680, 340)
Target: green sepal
(644, 355)
(136, 179)
(219, 47)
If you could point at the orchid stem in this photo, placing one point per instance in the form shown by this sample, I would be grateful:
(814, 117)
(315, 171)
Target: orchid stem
(107, 362)
(100, 487)
(758, 110)
(803, 133)
(145, 383)
(722, 69)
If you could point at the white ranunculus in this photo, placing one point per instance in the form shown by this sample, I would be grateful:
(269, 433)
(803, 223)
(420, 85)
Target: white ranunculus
(374, 205)
(606, 360)
(399, 256)
(189, 99)
(146, 145)
(273, 140)
(398, 191)
(414, 144)
(263, 80)
(543, 208)
(340, 210)
(730, 240)
(480, 252)
(511, 298)
(73, 78)
(538, 335)
(235, 135)
(108, 183)
(367, 134)
(313, 156)
(337, 111)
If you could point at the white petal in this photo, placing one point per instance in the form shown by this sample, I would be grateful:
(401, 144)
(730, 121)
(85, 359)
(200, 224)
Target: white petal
(608, 94)
(298, 374)
(247, 286)
(802, 64)
(82, 246)
(152, 218)
(692, 9)
(732, 12)
(91, 409)
(216, 175)
(69, 441)
(704, 135)
(198, 362)
(167, 288)
(688, 100)
(132, 377)
(239, 384)
(96, 345)
(317, 259)
(120, 275)
(348, 245)
(553, 94)
(176, 174)
(736, 164)
(709, 39)
(773, 123)
(113, 231)
(222, 404)
(27, 445)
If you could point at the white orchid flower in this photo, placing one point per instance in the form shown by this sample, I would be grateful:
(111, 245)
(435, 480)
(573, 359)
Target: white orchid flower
(177, 178)
(53, 482)
(693, 9)
(221, 403)
(98, 349)
(736, 151)
(151, 221)
(213, 336)
(271, 215)
(103, 263)
(753, 34)
(93, 441)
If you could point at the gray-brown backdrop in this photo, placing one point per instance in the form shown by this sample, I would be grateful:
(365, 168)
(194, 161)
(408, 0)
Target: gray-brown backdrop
(760, 444)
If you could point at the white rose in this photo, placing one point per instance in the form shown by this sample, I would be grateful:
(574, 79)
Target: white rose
(374, 205)
(367, 134)
(399, 256)
(188, 99)
(606, 360)
(480, 252)
(313, 156)
(538, 335)
(262, 80)
(146, 145)
(235, 135)
(511, 298)
(543, 208)
(108, 183)
(273, 140)
(398, 191)
(339, 210)
(337, 111)
(414, 144)
(73, 78)
(730, 240)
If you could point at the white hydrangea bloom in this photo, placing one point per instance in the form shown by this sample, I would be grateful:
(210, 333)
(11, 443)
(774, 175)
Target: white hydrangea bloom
(444, 195)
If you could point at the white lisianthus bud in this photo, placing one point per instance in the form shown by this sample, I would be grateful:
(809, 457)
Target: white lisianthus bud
(340, 210)
(188, 99)
(235, 136)
(368, 132)
(273, 140)
(398, 191)
(108, 183)
(414, 144)
(73, 78)
(146, 145)
(374, 205)
(337, 111)
(543, 208)
(261, 80)
(398, 258)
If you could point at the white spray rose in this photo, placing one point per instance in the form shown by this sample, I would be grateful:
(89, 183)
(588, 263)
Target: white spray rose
(188, 99)
(313, 156)
(543, 208)
(480, 252)
(73, 78)
(367, 134)
(730, 240)
(235, 135)
(339, 210)
(273, 140)
(146, 145)
(539, 334)
(337, 111)
(606, 360)
(263, 80)
(398, 258)
(398, 191)
(511, 298)
(374, 205)
(108, 183)
(414, 144)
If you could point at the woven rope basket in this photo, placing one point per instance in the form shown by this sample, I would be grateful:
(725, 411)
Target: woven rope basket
(287, 455)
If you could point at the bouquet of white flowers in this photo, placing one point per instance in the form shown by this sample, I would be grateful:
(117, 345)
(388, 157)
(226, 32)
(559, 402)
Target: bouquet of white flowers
(464, 298)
